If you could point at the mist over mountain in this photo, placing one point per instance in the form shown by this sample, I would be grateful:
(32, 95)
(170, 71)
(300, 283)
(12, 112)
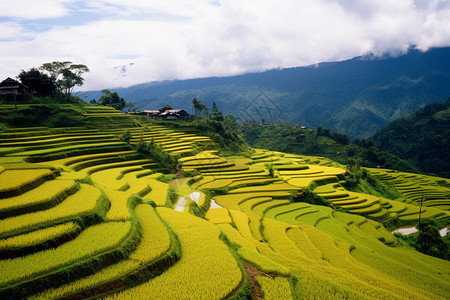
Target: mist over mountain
(357, 96)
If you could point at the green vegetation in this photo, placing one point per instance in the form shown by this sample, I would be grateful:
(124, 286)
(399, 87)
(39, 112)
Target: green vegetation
(222, 130)
(39, 82)
(336, 146)
(421, 138)
(112, 99)
(360, 180)
(49, 114)
(58, 78)
(308, 196)
(98, 211)
(157, 154)
(428, 240)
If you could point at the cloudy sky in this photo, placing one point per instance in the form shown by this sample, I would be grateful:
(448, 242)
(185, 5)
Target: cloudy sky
(126, 42)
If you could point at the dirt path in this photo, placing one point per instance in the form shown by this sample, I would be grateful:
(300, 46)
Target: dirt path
(252, 272)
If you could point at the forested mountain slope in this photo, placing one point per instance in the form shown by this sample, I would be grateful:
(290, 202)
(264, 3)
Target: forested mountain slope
(421, 138)
(357, 96)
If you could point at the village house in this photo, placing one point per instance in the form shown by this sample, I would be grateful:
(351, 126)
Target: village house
(165, 113)
(12, 88)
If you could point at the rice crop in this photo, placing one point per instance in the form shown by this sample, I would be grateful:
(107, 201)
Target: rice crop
(231, 201)
(91, 241)
(46, 195)
(218, 215)
(155, 237)
(37, 236)
(241, 221)
(275, 187)
(275, 288)
(82, 202)
(264, 263)
(236, 237)
(262, 208)
(15, 179)
(53, 150)
(158, 193)
(155, 241)
(118, 210)
(206, 270)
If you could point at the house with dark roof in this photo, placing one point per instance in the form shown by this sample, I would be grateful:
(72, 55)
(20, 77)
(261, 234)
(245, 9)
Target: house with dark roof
(12, 89)
(173, 114)
(164, 113)
(10, 86)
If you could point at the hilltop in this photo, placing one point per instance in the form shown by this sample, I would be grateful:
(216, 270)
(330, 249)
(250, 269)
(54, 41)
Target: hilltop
(357, 96)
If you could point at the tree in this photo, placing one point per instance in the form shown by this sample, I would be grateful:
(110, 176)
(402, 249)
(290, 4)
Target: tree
(323, 131)
(430, 242)
(198, 106)
(111, 99)
(341, 138)
(54, 69)
(69, 81)
(216, 115)
(166, 107)
(231, 123)
(66, 76)
(37, 81)
(195, 105)
(131, 106)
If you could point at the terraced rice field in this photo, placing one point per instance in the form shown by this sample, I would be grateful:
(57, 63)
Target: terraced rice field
(434, 191)
(83, 215)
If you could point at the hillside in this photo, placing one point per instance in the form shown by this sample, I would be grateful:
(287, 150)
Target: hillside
(357, 96)
(124, 207)
(305, 141)
(421, 138)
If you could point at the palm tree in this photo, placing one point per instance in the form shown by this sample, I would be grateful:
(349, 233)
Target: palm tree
(203, 108)
(198, 106)
(195, 106)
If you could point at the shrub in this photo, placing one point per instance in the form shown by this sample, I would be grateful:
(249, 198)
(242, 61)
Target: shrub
(310, 197)
(430, 242)
(157, 154)
(126, 136)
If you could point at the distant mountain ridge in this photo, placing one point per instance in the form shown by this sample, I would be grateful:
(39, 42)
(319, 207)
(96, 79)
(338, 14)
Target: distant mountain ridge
(357, 96)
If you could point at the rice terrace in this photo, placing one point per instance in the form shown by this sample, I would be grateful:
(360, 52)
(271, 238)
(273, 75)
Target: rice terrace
(91, 211)
(225, 149)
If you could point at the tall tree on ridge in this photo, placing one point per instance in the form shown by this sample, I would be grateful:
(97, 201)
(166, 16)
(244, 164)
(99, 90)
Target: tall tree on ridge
(216, 114)
(65, 75)
(198, 106)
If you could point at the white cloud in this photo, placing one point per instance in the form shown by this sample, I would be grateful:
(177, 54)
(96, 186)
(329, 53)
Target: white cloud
(10, 30)
(184, 39)
(31, 9)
